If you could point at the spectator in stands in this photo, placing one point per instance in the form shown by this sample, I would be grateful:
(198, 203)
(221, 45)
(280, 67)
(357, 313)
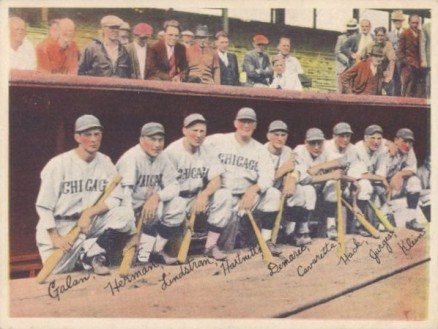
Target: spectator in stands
(397, 19)
(138, 49)
(389, 58)
(21, 52)
(203, 60)
(342, 61)
(229, 69)
(187, 38)
(256, 63)
(59, 55)
(365, 77)
(410, 58)
(167, 58)
(356, 42)
(124, 34)
(292, 67)
(425, 55)
(281, 80)
(52, 36)
(106, 57)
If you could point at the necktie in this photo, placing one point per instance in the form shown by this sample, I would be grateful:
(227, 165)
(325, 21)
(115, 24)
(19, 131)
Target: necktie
(172, 66)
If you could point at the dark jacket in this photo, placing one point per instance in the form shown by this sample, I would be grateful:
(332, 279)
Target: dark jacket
(251, 64)
(230, 73)
(157, 64)
(96, 62)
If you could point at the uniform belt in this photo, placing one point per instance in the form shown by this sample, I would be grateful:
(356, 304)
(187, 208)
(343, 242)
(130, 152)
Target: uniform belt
(72, 217)
(188, 194)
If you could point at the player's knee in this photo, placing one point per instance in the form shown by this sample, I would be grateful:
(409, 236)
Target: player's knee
(271, 200)
(366, 189)
(309, 197)
(413, 185)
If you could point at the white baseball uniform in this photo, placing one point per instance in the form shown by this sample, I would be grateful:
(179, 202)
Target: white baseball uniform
(194, 173)
(400, 162)
(143, 176)
(353, 168)
(246, 165)
(68, 186)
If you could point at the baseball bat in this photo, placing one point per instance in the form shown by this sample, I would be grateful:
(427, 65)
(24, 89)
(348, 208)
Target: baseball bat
(185, 244)
(129, 253)
(366, 224)
(381, 217)
(53, 260)
(267, 256)
(277, 222)
(340, 218)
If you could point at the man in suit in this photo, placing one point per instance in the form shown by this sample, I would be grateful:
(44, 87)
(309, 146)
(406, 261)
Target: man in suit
(137, 49)
(256, 63)
(357, 41)
(410, 58)
(167, 59)
(342, 61)
(425, 55)
(228, 61)
(397, 19)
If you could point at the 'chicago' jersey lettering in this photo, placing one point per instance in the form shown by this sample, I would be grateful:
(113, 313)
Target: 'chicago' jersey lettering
(149, 180)
(238, 161)
(79, 186)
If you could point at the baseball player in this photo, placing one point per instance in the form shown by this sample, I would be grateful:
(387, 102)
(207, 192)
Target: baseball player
(149, 181)
(315, 170)
(372, 152)
(286, 179)
(339, 148)
(199, 172)
(71, 182)
(401, 175)
(249, 173)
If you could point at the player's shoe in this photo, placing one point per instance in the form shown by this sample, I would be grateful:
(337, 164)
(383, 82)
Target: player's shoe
(98, 263)
(273, 248)
(214, 252)
(302, 240)
(332, 234)
(414, 225)
(391, 219)
(162, 258)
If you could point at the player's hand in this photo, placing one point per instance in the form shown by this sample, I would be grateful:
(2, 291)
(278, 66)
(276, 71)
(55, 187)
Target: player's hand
(336, 174)
(357, 211)
(396, 183)
(247, 199)
(60, 242)
(288, 166)
(355, 188)
(150, 208)
(200, 205)
(385, 185)
(290, 186)
(313, 171)
(84, 221)
(392, 148)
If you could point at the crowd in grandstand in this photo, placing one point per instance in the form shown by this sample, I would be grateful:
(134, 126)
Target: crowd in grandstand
(390, 63)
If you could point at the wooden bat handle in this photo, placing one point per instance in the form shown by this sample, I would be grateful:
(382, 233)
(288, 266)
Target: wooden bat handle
(267, 256)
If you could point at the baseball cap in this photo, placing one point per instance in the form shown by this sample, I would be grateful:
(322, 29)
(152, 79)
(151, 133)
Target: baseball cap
(278, 125)
(260, 39)
(152, 128)
(87, 121)
(246, 113)
(371, 130)
(314, 134)
(193, 118)
(342, 128)
(405, 133)
(143, 30)
(111, 20)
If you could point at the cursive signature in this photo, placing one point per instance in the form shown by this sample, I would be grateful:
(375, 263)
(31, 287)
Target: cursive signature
(348, 256)
(228, 266)
(55, 291)
(375, 253)
(326, 249)
(407, 244)
(278, 267)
